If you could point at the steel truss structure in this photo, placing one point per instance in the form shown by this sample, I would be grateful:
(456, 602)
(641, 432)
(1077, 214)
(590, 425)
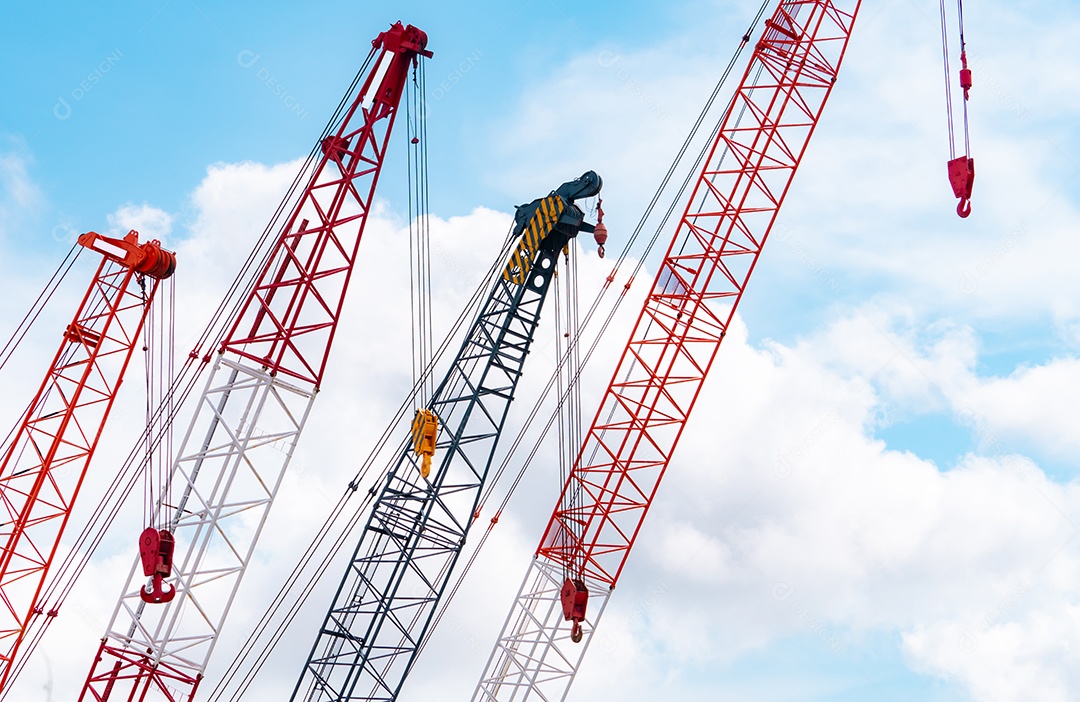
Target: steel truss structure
(42, 469)
(384, 606)
(255, 403)
(698, 286)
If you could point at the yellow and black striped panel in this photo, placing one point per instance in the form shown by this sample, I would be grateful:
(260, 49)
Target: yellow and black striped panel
(542, 222)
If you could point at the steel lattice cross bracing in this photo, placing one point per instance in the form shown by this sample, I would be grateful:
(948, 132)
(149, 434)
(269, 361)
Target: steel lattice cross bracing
(414, 535)
(256, 400)
(693, 298)
(246, 427)
(42, 469)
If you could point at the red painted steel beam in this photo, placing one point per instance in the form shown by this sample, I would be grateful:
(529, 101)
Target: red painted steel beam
(697, 289)
(43, 468)
(288, 321)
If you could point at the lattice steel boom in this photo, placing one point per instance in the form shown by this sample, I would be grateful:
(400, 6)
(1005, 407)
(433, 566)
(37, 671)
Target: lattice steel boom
(701, 280)
(43, 468)
(417, 527)
(258, 396)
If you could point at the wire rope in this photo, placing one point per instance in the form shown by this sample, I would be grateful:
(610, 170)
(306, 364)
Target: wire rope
(260, 659)
(61, 582)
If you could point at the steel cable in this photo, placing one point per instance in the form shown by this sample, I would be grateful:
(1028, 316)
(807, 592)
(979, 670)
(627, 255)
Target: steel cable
(260, 659)
(59, 585)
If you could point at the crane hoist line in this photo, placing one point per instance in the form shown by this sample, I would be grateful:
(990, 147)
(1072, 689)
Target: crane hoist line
(418, 523)
(43, 467)
(255, 404)
(961, 168)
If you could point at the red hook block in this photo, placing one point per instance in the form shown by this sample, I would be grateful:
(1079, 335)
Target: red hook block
(575, 599)
(156, 551)
(962, 178)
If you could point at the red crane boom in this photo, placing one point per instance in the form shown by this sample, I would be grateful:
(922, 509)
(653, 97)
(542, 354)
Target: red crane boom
(698, 286)
(43, 467)
(256, 402)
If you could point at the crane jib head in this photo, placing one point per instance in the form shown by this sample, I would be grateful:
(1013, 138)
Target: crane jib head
(549, 223)
(587, 185)
(403, 39)
(148, 258)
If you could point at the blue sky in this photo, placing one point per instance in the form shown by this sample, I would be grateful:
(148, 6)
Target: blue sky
(156, 91)
(914, 373)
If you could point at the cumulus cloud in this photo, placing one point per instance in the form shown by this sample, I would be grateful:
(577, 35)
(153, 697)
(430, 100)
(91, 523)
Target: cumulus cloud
(784, 514)
(1034, 403)
(151, 222)
(19, 192)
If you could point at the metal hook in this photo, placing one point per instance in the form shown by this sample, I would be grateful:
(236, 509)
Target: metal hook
(154, 593)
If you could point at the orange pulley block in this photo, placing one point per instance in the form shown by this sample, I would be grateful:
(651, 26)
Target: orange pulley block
(425, 429)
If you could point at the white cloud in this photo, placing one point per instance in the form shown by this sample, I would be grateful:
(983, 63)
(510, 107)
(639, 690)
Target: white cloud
(847, 537)
(780, 480)
(865, 538)
(1034, 658)
(20, 197)
(151, 222)
(872, 203)
(18, 189)
(1033, 403)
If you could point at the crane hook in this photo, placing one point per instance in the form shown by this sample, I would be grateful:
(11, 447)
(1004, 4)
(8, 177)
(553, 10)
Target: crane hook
(961, 169)
(600, 233)
(154, 593)
(962, 178)
(156, 551)
(575, 599)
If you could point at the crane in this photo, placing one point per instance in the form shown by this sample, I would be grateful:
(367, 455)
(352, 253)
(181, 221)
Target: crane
(44, 464)
(421, 516)
(254, 406)
(698, 286)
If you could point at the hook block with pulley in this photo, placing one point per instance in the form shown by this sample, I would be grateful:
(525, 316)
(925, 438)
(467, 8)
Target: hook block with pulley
(425, 430)
(600, 232)
(575, 598)
(156, 551)
(962, 178)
